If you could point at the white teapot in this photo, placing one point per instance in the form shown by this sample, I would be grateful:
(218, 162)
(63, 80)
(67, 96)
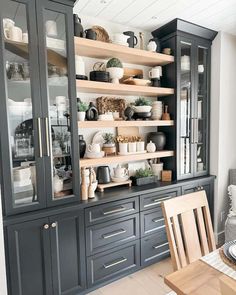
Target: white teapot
(120, 172)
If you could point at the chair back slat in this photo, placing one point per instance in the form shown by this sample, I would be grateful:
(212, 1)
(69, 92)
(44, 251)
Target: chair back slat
(179, 241)
(189, 228)
(202, 232)
(190, 235)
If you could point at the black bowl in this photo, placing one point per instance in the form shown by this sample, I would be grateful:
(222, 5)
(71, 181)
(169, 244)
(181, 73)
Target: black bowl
(99, 76)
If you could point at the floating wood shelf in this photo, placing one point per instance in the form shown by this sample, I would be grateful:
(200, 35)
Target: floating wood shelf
(121, 159)
(108, 124)
(121, 89)
(102, 50)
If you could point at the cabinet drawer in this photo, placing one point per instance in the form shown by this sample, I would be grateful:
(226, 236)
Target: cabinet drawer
(153, 200)
(151, 221)
(112, 263)
(154, 248)
(104, 236)
(111, 210)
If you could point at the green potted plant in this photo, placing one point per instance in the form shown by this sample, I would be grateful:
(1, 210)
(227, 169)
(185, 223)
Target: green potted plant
(144, 176)
(109, 140)
(142, 105)
(82, 107)
(115, 69)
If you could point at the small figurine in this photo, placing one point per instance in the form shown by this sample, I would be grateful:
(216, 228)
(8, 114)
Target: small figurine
(129, 112)
(141, 36)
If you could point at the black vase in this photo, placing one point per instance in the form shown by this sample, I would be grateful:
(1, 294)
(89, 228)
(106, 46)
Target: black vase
(159, 138)
(92, 113)
(78, 28)
(82, 146)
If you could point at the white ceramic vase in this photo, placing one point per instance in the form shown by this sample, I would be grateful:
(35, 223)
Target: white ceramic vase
(123, 148)
(157, 110)
(115, 74)
(81, 116)
(151, 147)
(132, 147)
(140, 146)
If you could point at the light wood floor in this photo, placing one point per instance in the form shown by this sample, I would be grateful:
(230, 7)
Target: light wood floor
(148, 281)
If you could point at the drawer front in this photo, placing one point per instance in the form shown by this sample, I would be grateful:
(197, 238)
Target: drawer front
(113, 263)
(152, 221)
(154, 200)
(104, 236)
(154, 248)
(111, 210)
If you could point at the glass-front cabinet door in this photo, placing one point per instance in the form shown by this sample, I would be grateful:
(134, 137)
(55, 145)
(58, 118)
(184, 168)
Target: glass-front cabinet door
(201, 111)
(21, 124)
(58, 87)
(185, 110)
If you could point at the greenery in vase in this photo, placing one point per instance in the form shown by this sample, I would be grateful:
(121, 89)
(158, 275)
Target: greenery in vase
(140, 173)
(142, 101)
(82, 106)
(108, 138)
(114, 63)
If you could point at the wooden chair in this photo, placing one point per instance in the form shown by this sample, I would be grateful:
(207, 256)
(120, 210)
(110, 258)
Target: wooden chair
(189, 228)
(227, 286)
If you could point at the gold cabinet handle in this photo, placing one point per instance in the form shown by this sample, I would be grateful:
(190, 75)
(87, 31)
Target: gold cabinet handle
(46, 226)
(40, 137)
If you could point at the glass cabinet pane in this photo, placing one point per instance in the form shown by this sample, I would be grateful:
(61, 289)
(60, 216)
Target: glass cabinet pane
(185, 109)
(19, 104)
(202, 108)
(58, 104)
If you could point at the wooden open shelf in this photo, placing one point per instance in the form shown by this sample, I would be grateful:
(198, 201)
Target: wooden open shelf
(121, 159)
(121, 89)
(108, 124)
(102, 50)
(22, 49)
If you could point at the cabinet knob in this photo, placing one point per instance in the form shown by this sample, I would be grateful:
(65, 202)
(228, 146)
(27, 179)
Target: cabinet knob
(46, 226)
(54, 224)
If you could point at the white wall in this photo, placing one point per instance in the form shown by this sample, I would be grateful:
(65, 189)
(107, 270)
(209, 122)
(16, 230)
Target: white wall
(223, 120)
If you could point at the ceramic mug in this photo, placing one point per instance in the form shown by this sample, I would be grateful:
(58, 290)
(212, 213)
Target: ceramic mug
(13, 33)
(51, 28)
(25, 38)
(120, 172)
(94, 148)
(155, 72)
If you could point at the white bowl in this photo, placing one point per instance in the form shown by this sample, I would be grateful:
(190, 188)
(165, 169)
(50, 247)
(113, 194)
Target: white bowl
(94, 155)
(142, 109)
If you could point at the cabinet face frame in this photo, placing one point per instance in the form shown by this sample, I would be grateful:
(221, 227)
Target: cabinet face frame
(6, 152)
(41, 7)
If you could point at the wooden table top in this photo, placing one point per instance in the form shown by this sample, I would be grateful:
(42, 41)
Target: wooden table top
(198, 278)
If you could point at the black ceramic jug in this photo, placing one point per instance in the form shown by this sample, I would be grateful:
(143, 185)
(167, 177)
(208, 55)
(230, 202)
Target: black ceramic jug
(133, 40)
(78, 28)
(103, 174)
(82, 146)
(92, 113)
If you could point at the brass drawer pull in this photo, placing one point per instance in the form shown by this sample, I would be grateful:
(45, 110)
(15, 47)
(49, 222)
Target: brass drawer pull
(157, 201)
(119, 261)
(160, 246)
(113, 234)
(115, 210)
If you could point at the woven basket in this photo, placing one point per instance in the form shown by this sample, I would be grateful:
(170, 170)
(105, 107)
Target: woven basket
(111, 104)
(102, 34)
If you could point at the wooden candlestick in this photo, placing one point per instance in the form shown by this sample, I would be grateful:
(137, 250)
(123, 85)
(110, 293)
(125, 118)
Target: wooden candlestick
(90, 188)
(166, 115)
(141, 36)
(84, 187)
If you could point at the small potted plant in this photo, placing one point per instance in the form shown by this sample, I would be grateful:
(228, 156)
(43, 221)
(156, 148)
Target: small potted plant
(109, 140)
(140, 144)
(82, 107)
(109, 146)
(132, 146)
(144, 176)
(115, 69)
(142, 105)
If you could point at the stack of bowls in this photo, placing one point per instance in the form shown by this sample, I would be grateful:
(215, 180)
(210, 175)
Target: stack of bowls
(157, 110)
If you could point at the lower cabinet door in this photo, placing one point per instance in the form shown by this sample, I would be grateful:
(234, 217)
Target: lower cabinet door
(68, 253)
(154, 248)
(28, 259)
(113, 263)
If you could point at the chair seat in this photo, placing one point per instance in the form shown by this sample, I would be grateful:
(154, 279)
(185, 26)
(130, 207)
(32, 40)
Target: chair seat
(230, 229)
